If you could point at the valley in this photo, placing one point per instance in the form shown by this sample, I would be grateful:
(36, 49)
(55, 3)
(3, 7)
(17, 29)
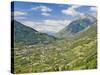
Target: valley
(79, 53)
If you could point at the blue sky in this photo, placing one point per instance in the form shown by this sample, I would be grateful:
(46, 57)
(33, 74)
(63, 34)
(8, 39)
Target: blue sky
(49, 18)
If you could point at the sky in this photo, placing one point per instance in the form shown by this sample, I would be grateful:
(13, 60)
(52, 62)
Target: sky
(49, 18)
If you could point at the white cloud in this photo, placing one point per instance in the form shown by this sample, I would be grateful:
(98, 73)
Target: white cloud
(93, 9)
(75, 6)
(72, 11)
(45, 9)
(18, 13)
(30, 23)
(94, 14)
(19, 18)
(42, 8)
(46, 14)
(51, 26)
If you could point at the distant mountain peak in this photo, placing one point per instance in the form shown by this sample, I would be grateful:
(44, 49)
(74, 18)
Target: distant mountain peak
(77, 26)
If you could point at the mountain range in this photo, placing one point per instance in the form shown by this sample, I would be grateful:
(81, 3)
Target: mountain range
(76, 26)
(26, 35)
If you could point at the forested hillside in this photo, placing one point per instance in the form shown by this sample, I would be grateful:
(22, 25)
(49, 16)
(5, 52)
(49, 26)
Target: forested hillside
(26, 35)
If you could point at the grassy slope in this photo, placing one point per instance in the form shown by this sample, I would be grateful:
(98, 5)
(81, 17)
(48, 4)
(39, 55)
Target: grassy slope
(78, 54)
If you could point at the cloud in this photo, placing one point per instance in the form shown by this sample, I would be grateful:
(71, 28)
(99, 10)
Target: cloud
(31, 24)
(46, 14)
(44, 9)
(94, 14)
(72, 11)
(47, 26)
(19, 18)
(93, 9)
(18, 13)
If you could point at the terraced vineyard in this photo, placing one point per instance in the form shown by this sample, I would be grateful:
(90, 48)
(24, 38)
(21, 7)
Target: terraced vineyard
(76, 54)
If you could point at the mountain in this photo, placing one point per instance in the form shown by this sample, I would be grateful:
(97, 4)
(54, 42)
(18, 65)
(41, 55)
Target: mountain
(61, 55)
(90, 32)
(76, 26)
(26, 35)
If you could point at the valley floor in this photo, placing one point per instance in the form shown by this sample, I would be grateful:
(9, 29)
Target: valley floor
(58, 56)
